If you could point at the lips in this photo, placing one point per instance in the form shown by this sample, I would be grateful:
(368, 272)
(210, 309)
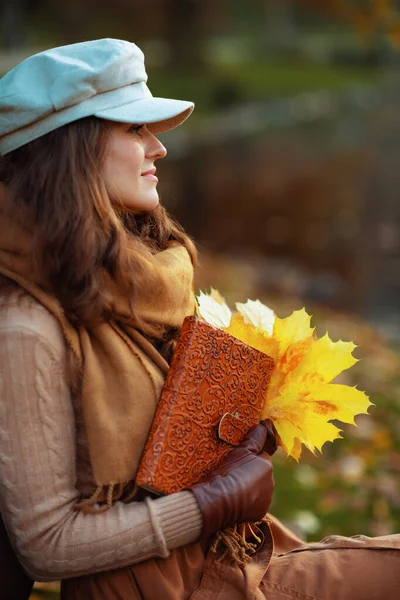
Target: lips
(150, 174)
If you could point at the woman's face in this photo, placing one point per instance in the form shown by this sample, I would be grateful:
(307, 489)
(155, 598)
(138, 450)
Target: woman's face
(129, 170)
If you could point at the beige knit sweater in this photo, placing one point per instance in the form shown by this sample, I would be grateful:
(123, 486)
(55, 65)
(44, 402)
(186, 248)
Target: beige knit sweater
(44, 465)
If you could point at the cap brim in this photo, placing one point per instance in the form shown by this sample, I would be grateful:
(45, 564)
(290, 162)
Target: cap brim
(162, 114)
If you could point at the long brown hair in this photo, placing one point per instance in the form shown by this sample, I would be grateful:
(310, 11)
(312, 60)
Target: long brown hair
(79, 235)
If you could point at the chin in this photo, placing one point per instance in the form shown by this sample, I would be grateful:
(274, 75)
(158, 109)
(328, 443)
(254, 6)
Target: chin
(146, 206)
(138, 207)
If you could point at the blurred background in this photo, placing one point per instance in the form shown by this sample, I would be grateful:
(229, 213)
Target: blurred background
(287, 175)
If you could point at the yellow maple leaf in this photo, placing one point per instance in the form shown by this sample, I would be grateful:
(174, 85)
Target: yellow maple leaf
(292, 329)
(325, 360)
(309, 430)
(301, 399)
(253, 336)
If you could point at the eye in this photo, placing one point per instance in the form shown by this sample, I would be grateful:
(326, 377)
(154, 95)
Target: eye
(135, 129)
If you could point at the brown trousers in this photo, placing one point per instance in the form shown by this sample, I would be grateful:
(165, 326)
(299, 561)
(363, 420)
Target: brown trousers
(284, 568)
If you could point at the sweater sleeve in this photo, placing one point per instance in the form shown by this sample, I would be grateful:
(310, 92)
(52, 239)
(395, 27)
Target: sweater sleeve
(37, 477)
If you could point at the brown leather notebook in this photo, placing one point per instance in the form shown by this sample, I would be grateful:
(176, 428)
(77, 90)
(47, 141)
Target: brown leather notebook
(213, 393)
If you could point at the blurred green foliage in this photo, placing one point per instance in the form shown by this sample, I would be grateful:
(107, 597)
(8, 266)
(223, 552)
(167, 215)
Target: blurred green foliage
(221, 84)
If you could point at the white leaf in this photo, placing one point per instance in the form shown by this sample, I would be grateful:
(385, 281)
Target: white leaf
(257, 314)
(213, 312)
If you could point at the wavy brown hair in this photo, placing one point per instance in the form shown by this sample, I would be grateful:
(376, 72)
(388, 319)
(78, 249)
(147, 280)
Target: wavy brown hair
(78, 231)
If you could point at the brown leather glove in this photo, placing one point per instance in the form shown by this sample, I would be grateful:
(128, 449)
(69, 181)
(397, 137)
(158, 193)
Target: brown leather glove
(240, 489)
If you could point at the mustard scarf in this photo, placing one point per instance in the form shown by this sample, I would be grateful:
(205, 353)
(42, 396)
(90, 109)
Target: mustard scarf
(122, 373)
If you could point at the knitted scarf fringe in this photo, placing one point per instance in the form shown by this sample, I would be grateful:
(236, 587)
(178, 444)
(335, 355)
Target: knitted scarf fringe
(104, 495)
(235, 545)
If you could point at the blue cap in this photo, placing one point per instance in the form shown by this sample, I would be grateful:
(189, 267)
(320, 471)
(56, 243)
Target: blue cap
(102, 78)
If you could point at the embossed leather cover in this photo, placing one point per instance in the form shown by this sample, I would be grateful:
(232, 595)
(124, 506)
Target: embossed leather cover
(213, 394)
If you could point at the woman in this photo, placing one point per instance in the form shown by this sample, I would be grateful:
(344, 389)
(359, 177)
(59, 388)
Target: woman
(96, 281)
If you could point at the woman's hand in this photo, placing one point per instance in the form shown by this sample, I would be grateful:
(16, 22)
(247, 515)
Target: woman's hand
(240, 489)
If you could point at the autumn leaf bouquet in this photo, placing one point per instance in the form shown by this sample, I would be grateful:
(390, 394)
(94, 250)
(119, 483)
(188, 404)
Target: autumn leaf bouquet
(301, 399)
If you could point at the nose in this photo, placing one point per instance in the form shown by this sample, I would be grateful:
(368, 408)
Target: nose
(155, 149)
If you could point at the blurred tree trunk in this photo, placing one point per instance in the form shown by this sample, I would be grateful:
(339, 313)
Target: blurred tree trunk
(14, 20)
(183, 33)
